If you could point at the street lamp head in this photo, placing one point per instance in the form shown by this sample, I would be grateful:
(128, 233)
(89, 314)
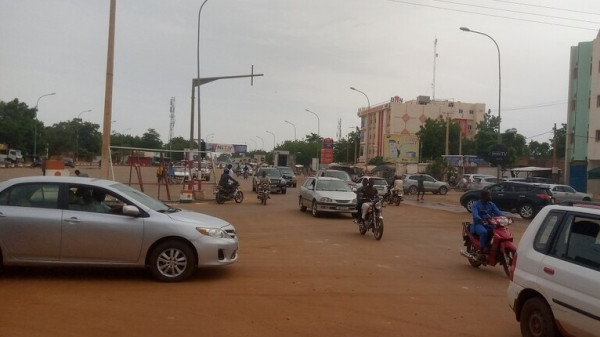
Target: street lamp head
(465, 29)
(352, 88)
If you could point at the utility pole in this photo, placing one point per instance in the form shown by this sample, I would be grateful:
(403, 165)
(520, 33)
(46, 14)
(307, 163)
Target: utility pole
(554, 168)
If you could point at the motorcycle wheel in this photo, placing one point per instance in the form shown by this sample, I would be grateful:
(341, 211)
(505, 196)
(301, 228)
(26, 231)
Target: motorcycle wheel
(239, 196)
(506, 260)
(471, 250)
(362, 229)
(378, 229)
(263, 199)
(397, 200)
(219, 199)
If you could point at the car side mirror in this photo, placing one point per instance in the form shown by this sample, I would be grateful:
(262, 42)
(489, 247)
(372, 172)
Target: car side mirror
(131, 210)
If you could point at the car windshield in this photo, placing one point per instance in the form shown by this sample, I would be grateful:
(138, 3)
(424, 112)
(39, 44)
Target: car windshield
(332, 185)
(286, 170)
(338, 174)
(272, 173)
(142, 198)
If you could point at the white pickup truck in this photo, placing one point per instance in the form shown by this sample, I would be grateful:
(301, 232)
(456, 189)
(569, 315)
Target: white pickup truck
(10, 157)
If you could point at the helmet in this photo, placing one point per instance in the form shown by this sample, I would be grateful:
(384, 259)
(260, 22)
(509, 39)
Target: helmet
(226, 171)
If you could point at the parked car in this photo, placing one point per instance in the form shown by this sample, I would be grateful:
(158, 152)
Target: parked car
(288, 174)
(555, 276)
(78, 221)
(523, 198)
(478, 183)
(565, 192)
(69, 162)
(204, 170)
(342, 175)
(326, 195)
(429, 183)
(379, 183)
(278, 183)
(181, 174)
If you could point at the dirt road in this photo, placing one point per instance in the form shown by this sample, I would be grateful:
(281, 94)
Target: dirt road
(296, 276)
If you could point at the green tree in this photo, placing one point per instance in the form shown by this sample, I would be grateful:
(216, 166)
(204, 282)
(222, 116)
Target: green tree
(17, 125)
(539, 150)
(150, 140)
(432, 138)
(561, 141)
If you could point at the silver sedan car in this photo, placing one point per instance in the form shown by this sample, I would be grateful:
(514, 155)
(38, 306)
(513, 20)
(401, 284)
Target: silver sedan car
(325, 194)
(565, 192)
(93, 222)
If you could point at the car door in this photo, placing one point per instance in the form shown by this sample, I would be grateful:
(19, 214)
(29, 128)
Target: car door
(429, 183)
(30, 222)
(99, 234)
(501, 194)
(569, 275)
(306, 191)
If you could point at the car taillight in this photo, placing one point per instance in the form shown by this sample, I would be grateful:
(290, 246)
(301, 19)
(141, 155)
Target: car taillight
(543, 196)
(513, 266)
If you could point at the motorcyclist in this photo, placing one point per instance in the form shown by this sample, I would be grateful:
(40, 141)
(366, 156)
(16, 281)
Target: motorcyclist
(366, 193)
(483, 210)
(398, 186)
(227, 182)
(264, 180)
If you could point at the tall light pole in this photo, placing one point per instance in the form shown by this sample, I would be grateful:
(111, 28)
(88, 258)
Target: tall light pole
(465, 29)
(294, 125)
(263, 142)
(367, 126)
(198, 77)
(318, 122)
(35, 123)
(78, 120)
(272, 134)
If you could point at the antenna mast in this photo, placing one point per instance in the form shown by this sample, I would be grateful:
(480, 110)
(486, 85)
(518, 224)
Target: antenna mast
(435, 55)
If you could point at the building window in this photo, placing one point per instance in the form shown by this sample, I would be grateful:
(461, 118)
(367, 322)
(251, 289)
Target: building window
(460, 111)
(598, 135)
(471, 112)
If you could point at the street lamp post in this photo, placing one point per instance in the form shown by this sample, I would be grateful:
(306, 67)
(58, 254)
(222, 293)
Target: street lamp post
(35, 124)
(367, 126)
(294, 125)
(198, 76)
(263, 142)
(466, 29)
(78, 120)
(272, 134)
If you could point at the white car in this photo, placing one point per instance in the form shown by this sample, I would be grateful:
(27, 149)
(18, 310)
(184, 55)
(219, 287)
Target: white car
(326, 195)
(565, 192)
(379, 183)
(555, 276)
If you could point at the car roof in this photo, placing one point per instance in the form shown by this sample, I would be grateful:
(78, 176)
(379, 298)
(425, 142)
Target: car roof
(58, 179)
(326, 178)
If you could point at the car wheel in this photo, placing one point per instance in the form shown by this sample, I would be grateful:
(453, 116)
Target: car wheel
(469, 204)
(254, 188)
(172, 261)
(295, 184)
(412, 190)
(313, 209)
(526, 211)
(284, 190)
(443, 190)
(537, 319)
(302, 207)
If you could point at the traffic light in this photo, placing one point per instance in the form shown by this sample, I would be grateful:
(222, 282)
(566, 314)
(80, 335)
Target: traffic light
(202, 149)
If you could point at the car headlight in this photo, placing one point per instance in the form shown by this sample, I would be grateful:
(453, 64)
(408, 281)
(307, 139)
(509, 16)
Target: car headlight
(353, 201)
(283, 182)
(326, 200)
(214, 232)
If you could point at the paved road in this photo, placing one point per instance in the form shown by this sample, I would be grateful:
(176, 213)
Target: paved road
(296, 276)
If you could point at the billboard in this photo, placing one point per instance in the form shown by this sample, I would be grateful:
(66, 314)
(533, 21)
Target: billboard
(401, 149)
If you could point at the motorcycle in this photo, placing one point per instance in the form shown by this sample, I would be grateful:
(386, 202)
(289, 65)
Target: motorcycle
(222, 195)
(245, 174)
(373, 219)
(502, 249)
(263, 193)
(394, 197)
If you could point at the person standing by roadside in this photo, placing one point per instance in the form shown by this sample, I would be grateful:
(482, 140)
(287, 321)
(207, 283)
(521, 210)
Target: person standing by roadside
(420, 187)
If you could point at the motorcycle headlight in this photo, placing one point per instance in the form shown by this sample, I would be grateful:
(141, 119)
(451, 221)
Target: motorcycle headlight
(327, 200)
(378, 205)
(213, 232)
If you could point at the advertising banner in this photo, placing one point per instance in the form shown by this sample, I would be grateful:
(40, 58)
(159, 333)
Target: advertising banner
(401, 149)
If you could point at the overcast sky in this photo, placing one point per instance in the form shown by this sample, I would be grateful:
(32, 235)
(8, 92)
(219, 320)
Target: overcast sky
(310, 52)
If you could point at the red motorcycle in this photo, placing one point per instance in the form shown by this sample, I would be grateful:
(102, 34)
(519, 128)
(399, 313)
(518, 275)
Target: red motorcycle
(502, 249)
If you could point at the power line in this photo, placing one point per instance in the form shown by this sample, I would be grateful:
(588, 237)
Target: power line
(492, 15)
(514, 11)
(547, 7)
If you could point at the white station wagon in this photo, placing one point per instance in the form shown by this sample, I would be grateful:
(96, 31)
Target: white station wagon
(555, 277)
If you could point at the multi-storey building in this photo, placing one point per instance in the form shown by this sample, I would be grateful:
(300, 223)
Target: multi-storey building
(583, 117)
(388, 129)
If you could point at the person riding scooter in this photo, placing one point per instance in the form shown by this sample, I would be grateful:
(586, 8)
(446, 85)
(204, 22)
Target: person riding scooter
(483, 210)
